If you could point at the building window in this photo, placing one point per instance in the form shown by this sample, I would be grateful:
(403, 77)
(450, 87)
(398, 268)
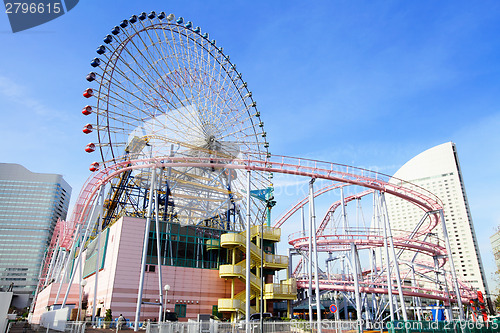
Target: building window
(215, 311)
(187, 246)
(180, 309)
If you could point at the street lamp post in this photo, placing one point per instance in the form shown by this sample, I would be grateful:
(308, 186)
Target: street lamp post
(83, 283)
(166, 288)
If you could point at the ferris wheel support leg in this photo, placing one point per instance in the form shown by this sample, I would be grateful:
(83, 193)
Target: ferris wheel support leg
(53, 261)
(395, 259)
(68, 259)
(79, 257)
(312, 225)
(33, 302)
(145, 250)
(98, 261)
(158, 249)
(79, 290)
(452, 266)
(229, 203)
(58, 263)
(247, 257)
(387, 261)
(64, 273)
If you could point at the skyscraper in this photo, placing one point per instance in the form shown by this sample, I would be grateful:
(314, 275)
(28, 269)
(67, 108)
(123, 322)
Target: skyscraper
(438, 170)
(30, 204)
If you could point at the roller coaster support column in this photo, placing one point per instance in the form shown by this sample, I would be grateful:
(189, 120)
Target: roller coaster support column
(247, 258)
(373, 269)
(395, 258)
(452, 266)
(78, 260)
(312, 226)
(355, 273)
(289, 276)
(158, 247)
(344, 300)
(145, 250)
(416, 300)
(447, 290)
(310, 266)
(387, 261)
(436, 276)
(303, 220)
(100, 220)
(337, 313)
(344, 215)
(344, 225)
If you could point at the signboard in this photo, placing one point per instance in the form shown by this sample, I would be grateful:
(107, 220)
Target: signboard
(333, 308)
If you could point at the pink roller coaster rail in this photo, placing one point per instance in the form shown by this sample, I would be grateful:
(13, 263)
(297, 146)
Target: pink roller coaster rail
(341, 174)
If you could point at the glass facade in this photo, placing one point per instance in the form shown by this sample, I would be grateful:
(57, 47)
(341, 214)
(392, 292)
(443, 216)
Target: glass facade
(187, 246)
(30, 204)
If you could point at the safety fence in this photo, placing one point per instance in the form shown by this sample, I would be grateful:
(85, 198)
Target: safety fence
(294, 326)
(253, 327)
(327, 326)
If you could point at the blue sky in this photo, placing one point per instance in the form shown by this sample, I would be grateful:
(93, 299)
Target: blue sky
(366, 83)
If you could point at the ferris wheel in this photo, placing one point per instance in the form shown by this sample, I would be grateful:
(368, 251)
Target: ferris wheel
(165, 89)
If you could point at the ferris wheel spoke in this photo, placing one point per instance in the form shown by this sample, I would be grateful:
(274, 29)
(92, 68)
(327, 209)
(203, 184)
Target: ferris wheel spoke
(177, 91)
(145, 73)
(140, 76)
(148, 114)
(124, 90)
(163, 62)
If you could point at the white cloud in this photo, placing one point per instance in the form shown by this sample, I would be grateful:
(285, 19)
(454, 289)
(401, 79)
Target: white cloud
(20, 95)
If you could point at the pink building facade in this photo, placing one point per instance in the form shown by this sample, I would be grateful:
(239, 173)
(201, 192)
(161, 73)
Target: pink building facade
(193, 291)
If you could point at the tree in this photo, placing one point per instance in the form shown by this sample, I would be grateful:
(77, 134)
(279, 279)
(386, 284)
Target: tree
(108, 316)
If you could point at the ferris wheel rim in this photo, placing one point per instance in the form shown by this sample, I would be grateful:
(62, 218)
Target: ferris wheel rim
(199, 41)
(164, 88)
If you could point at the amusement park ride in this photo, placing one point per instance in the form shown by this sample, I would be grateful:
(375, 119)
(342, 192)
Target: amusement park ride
(180, 139)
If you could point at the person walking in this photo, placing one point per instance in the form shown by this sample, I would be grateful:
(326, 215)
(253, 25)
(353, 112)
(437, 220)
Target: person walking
(120, 322)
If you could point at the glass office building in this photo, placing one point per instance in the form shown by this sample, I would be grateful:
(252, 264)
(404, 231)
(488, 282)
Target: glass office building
(30, 204)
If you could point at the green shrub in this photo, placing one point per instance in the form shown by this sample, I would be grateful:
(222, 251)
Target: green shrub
(108, 316)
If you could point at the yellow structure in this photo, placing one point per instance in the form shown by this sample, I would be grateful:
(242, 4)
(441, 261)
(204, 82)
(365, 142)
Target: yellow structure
(261, 255)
